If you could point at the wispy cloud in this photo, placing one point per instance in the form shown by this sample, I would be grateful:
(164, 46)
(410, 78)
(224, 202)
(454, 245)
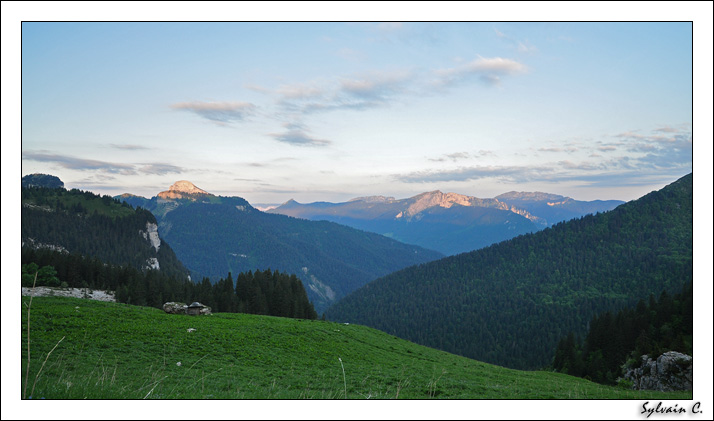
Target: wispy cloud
(374, 86)
(221, 113)
(662, 160)
(159, 169)
(607, 148)
(356, 92)
(489, 70)
(81, 164)
(513, 174)
(127, 147)
(463, 156)
(526, 47)
(669, 149)
(667, 129)
(580, 166)
(258, 88)
(456, 156)
(521, 46)
(297, 135)
(300, 91)
(559, 149)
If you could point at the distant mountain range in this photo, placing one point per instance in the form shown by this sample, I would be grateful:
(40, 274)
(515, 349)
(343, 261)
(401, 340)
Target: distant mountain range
(213, 235)
(448, 222)
(554, 208)
(510, 303)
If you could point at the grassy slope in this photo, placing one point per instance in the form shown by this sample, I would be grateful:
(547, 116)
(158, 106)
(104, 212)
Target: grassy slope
(118, 351)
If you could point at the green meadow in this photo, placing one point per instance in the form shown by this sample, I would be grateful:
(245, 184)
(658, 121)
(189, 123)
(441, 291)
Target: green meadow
(85, 349)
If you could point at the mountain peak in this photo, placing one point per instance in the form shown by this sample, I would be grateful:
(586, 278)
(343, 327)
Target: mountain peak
(184, 186)
(181, 188)
(429, 194)
(290, 203)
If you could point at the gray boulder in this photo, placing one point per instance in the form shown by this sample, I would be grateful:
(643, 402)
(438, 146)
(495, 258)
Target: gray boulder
(175, 308)
(670, 371)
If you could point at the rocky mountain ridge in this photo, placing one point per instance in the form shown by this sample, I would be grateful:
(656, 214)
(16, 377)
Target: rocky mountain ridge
(182, 189)
(424, 201)
(450, 222)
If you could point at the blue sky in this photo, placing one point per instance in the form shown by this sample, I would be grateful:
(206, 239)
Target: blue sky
(330, 111)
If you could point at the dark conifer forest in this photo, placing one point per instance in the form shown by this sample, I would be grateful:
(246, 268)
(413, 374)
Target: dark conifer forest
(92, 225)
(618, 339)
(267, 292)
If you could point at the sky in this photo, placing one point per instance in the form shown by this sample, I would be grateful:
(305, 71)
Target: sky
(331, 111)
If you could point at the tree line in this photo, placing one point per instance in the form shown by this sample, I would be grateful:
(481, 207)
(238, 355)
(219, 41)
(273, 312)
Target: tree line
(620, 339)
(260, 292)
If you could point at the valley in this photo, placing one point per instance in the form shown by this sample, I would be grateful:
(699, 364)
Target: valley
(214, 235)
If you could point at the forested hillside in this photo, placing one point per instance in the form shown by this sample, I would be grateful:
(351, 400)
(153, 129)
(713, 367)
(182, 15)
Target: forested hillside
(95, 226)
(616, 339)
(132, 286)
(510, 304)
(214, 235)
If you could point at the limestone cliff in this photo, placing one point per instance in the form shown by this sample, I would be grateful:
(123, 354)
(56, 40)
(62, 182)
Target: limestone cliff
(424, 201)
